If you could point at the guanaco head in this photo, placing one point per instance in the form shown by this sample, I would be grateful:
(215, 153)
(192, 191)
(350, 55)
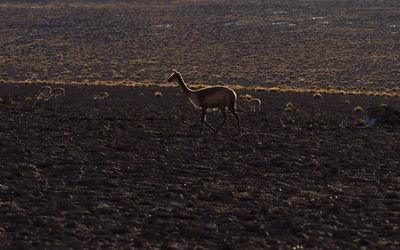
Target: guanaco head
(174, 77)
(246, 97)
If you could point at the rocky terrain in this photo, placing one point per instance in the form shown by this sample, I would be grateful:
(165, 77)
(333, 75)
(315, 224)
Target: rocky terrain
(133, 171)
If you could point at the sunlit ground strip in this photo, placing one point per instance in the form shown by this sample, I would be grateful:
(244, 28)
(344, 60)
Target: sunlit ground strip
(196, 86)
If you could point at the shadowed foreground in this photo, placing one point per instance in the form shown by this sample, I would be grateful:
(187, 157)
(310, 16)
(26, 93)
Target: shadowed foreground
(133, 171)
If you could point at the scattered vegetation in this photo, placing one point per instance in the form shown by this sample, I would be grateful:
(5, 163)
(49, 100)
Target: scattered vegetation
(70, 151)
(358, 109)
(273, 90)
(289, 107)
(317, 96)
(3, 187)
(63, 144)
(69, 51)
(260, 89)
(240, 108)
(141, 125)
(302, 112)
(360, 123)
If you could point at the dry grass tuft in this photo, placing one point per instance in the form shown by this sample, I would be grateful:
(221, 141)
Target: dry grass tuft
(358, 109)
(317, 96)
(360, 123)
(289, 107)
(158, 94)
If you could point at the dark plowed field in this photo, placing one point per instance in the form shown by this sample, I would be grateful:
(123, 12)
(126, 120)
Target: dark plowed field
(133, 171)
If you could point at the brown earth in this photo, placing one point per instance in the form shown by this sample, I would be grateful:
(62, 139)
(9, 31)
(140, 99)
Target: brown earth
(349, 45)
(133, 171)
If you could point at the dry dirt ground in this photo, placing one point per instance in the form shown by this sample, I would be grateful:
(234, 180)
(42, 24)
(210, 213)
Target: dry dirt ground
(313, 44)
(133, 171)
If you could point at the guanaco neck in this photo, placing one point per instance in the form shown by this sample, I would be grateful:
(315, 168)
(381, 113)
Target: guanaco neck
(184, 87)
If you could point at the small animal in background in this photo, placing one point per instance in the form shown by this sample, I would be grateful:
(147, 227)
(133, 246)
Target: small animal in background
(58, 92)
(252, 102)
(101, 96)
(44, 93)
